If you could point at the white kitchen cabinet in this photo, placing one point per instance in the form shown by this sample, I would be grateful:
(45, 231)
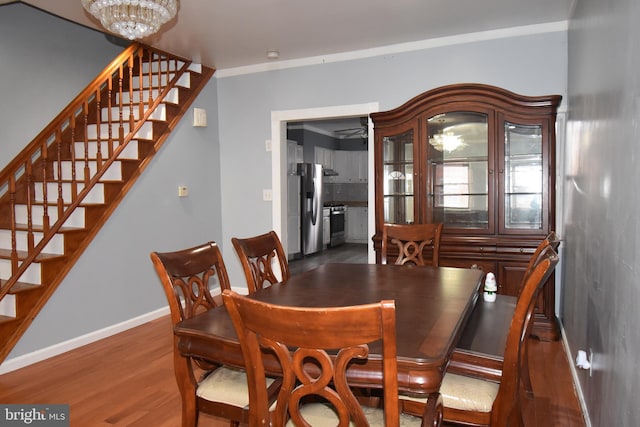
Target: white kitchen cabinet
(342, 165)
(326, 226)
(362, 163)
(294, 156)
(357, 225)
(352, 166)
(324, 156)
(293, 215)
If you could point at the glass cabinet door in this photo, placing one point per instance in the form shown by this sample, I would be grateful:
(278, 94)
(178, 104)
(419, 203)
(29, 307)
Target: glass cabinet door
(524, 174)
(459, 170)
(397, 179)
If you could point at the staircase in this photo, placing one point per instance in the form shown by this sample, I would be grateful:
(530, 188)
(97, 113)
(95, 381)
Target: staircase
(59, 191)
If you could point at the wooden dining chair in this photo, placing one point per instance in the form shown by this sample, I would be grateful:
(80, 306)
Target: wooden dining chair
(258, 255)
(315, 391)
(412, 240)
(189, 277)
(552, 240)
(478, 402)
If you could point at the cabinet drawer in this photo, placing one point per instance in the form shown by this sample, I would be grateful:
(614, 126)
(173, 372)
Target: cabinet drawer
(483, 265)
(468, 251)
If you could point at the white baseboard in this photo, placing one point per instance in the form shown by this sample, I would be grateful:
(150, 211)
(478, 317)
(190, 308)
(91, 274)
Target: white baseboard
(576, 382)
(56, 349)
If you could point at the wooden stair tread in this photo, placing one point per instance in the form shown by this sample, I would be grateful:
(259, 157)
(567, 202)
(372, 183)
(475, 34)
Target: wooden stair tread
(40, 228)
(22, 287)
(6, 254)
(5, 319)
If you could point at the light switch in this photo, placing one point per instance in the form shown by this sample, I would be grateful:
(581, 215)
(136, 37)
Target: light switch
(266, 195)
(199, 117)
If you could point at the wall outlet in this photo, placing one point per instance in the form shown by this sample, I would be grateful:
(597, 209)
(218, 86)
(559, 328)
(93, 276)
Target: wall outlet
(266, 195)
(183, 191)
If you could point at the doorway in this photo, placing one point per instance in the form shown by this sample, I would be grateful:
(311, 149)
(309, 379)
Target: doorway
(279, 120)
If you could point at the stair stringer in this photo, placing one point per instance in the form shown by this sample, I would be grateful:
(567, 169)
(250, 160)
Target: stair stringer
(30, 299)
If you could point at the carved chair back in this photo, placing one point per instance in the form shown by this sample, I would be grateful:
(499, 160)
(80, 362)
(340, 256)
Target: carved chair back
(258, 255)
(411, 241)
(188, 276)
(552, 240)
(326, 341)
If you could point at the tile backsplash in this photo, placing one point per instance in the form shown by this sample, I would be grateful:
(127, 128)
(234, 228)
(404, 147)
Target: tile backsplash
(345, 192)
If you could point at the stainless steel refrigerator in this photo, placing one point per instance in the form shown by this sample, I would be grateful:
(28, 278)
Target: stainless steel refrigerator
(311, 205)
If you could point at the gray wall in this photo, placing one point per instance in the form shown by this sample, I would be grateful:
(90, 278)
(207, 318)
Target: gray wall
(44, 63)
(532, 65)
(113, 281)
(602, 232)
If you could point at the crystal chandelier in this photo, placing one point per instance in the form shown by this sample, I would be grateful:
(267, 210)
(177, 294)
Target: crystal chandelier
(132, 19)
(446, 141)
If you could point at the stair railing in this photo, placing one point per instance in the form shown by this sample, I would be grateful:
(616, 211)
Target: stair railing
(34, 163)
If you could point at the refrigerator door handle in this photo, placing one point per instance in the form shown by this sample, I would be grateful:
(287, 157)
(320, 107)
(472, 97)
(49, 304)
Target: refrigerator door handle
(314, 204)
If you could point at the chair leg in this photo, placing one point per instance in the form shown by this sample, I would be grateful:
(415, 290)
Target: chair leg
(526, 380)
(184, 374)
(433, 411)
(189, 414)
(525, 375)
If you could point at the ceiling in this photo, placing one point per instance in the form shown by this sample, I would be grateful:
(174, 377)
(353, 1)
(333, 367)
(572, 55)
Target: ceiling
(227, 34)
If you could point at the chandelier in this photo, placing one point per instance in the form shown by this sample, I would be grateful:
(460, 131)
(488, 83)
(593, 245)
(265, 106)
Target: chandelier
(132, 19)
(446, 141)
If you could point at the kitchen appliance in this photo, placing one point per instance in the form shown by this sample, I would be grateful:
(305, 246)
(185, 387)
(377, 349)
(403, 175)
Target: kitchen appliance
(311, 207)
(338, 223)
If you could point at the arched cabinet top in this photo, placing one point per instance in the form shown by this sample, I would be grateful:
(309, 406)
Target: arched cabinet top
(471, 94)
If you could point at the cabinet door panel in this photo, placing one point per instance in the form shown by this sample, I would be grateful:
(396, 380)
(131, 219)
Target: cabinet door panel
(524, 172)
(459, 159)
(398, 177)
(509, 277)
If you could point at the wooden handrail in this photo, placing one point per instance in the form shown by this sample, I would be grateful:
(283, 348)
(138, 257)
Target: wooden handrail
(19, 176)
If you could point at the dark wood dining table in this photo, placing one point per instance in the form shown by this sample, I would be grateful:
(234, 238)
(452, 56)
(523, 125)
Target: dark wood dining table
(433, 306)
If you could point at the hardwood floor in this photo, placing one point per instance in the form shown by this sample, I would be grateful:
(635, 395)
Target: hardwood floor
(127, 379)
(349, 253)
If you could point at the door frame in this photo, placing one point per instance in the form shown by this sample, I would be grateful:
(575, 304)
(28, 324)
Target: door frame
(279, 121)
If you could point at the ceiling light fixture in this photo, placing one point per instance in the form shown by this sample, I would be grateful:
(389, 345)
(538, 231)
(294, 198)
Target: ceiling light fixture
(132, 19)
(446, 140)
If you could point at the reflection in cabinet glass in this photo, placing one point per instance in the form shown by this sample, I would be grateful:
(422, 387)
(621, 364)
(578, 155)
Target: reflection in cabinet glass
(458, 153)
(398, 178)
(523, 176)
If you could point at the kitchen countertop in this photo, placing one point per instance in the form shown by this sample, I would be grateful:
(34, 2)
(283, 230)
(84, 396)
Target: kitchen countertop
(348, 203)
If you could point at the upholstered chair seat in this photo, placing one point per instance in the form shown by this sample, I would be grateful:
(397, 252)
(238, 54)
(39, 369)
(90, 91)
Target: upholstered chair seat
(227, 385)
(319, 415)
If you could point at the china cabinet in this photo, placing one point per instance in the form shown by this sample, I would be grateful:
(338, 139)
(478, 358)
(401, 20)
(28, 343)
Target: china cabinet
(481, 160)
